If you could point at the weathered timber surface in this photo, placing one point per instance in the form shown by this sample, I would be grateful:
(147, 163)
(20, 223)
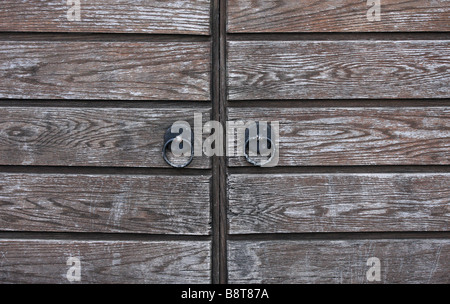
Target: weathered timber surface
(45, 261)
(105, 203)
(117, 137)
(402, 261)
(105, 70)
(108, 16)
(265, 16)
(356, 136)
(298, 203)
(338, 69)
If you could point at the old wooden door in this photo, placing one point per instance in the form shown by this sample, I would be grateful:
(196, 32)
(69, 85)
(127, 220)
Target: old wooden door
(360, 90)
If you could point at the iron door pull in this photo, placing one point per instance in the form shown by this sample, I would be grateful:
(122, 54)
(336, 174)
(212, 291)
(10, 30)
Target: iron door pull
(169, 138)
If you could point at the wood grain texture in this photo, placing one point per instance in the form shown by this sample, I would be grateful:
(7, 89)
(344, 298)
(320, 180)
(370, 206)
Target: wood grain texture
(105, 70)
(301, 203)
(117, 137)
(110, 262)
(105, 203)
(355, 136)
(402, 261)
(265, 16)
(338, 69)
(108, 16)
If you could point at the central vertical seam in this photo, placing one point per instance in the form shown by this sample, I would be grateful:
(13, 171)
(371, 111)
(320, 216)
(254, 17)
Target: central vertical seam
(219, 168)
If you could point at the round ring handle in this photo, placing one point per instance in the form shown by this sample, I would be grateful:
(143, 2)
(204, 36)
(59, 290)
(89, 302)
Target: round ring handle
(253, 162)
(168, 142)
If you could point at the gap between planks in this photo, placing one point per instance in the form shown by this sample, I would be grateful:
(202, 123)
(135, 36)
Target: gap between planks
(99, 37)
(307, 236)
(341, 103)
(103, 170)
(91, 236)
(342, 169)
(230, 170)
(161, 104)
(98, 236)
(382, 36)
(101, 104)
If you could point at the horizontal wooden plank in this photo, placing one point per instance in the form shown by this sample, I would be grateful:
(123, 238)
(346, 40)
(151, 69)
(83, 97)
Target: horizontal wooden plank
(300, 203)
(45, 261)
(117, 137)
(265, 16)
(355, 136)
(401, 261)
(338, 69)
(105, 203)
(105, 70)
(107, 16)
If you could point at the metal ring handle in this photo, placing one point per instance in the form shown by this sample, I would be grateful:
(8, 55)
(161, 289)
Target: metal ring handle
(255, 163)
(172, 164)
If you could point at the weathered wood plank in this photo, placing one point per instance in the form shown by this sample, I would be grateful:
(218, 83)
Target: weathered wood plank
(105, 203)
(402, 261)
(338, 69)
(105, 70)
(108, 16)
(264, 16)
(117, 137)
(338, 203)
(356, 136)
(45, 261)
